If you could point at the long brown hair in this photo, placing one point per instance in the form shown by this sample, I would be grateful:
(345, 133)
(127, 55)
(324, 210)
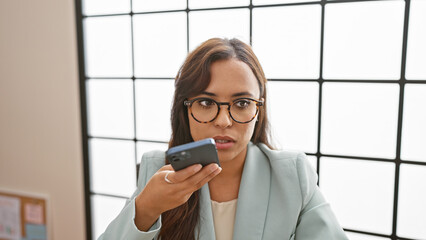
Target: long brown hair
(192, 79)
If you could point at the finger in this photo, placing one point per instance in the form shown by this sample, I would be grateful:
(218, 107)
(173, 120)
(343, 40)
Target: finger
(182, 175)
(167, 167)
(205, 175)
(205, 180)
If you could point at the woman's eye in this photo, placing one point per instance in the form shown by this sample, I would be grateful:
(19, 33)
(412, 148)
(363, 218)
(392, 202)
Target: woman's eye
(205, 102)
(242, 103)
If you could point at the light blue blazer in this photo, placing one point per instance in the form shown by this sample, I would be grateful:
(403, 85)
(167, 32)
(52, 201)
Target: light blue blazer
(278, 199)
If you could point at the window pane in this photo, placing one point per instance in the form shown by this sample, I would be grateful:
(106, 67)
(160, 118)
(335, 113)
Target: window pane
(108, 46)
(160, 44)
(110, 108)
(104, 210)
(416, 47)
(194, 4)
(153, 109)
(367, 47)
(218, 23)
(414, 124)
(94, 7)
(158, 5)
(360, 119)
(112, 167)
(360, 199)
(411, 203)
(287, 41)
(358, 236)
(143, 147)
(294, 114)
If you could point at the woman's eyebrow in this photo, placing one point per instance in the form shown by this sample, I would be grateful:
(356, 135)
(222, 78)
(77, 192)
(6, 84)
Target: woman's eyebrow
(233, 95)
(208, 94)
(242, 94)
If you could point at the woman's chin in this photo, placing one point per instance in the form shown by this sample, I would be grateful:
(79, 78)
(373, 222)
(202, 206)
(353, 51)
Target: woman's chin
(230, 155)
(224, 157)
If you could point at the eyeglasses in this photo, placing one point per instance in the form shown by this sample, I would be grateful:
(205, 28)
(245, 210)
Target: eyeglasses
(241, 110)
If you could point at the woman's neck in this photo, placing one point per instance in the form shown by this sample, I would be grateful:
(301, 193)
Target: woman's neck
(224, 187)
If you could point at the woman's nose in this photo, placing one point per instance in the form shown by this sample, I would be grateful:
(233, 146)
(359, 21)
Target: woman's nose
(223, 120)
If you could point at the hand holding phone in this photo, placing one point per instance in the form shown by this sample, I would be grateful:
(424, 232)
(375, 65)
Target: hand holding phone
(203, 152)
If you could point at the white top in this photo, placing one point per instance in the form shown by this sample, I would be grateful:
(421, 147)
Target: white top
(224, 218)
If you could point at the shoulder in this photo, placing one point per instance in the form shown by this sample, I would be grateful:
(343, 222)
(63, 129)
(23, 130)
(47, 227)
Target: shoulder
(153, 156)
(150, 163)
(293, 165)
(280, 155)
(295, 159)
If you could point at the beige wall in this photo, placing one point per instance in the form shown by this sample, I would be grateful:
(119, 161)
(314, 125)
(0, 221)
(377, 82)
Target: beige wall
(40, 133)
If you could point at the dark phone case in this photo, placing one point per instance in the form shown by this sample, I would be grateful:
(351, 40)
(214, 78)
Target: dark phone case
(203, 152)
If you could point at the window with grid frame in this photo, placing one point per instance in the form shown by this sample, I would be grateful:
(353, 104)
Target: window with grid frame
(347, 85)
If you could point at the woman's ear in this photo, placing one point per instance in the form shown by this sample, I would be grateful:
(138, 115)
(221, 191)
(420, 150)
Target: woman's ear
(263, 104)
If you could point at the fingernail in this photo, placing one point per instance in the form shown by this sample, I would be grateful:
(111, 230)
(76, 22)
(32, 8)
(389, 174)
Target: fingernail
(198, 167)
(217, 171)
(214, 167)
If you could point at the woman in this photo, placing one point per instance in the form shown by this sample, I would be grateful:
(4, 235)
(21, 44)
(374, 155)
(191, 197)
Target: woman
(257, 193)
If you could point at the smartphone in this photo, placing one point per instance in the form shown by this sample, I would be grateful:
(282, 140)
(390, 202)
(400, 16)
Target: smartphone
(203, 152)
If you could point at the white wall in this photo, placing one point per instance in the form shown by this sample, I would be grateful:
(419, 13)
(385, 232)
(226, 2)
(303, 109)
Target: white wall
(40, 132)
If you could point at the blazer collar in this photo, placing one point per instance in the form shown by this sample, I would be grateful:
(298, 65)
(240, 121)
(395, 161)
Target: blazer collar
(253, 199)
(206, 225)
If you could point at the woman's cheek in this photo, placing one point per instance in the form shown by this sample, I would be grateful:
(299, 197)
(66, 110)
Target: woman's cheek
(249, 131)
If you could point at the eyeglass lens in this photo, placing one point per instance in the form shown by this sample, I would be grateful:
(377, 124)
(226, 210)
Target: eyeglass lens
(241, 110)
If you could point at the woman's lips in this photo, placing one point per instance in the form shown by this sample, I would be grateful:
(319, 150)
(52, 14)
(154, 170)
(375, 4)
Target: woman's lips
(223, 142)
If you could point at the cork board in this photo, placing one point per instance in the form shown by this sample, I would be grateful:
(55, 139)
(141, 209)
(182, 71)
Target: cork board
(22, 216)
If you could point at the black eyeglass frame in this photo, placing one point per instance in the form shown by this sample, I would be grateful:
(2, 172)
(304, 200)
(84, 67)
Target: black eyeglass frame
(188, 103)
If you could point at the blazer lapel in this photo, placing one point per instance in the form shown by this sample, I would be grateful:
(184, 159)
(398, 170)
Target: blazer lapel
(253, 196)
(253, 199)
(206, 230)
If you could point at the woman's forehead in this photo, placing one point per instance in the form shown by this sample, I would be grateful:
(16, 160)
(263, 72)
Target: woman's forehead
(230, 77)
